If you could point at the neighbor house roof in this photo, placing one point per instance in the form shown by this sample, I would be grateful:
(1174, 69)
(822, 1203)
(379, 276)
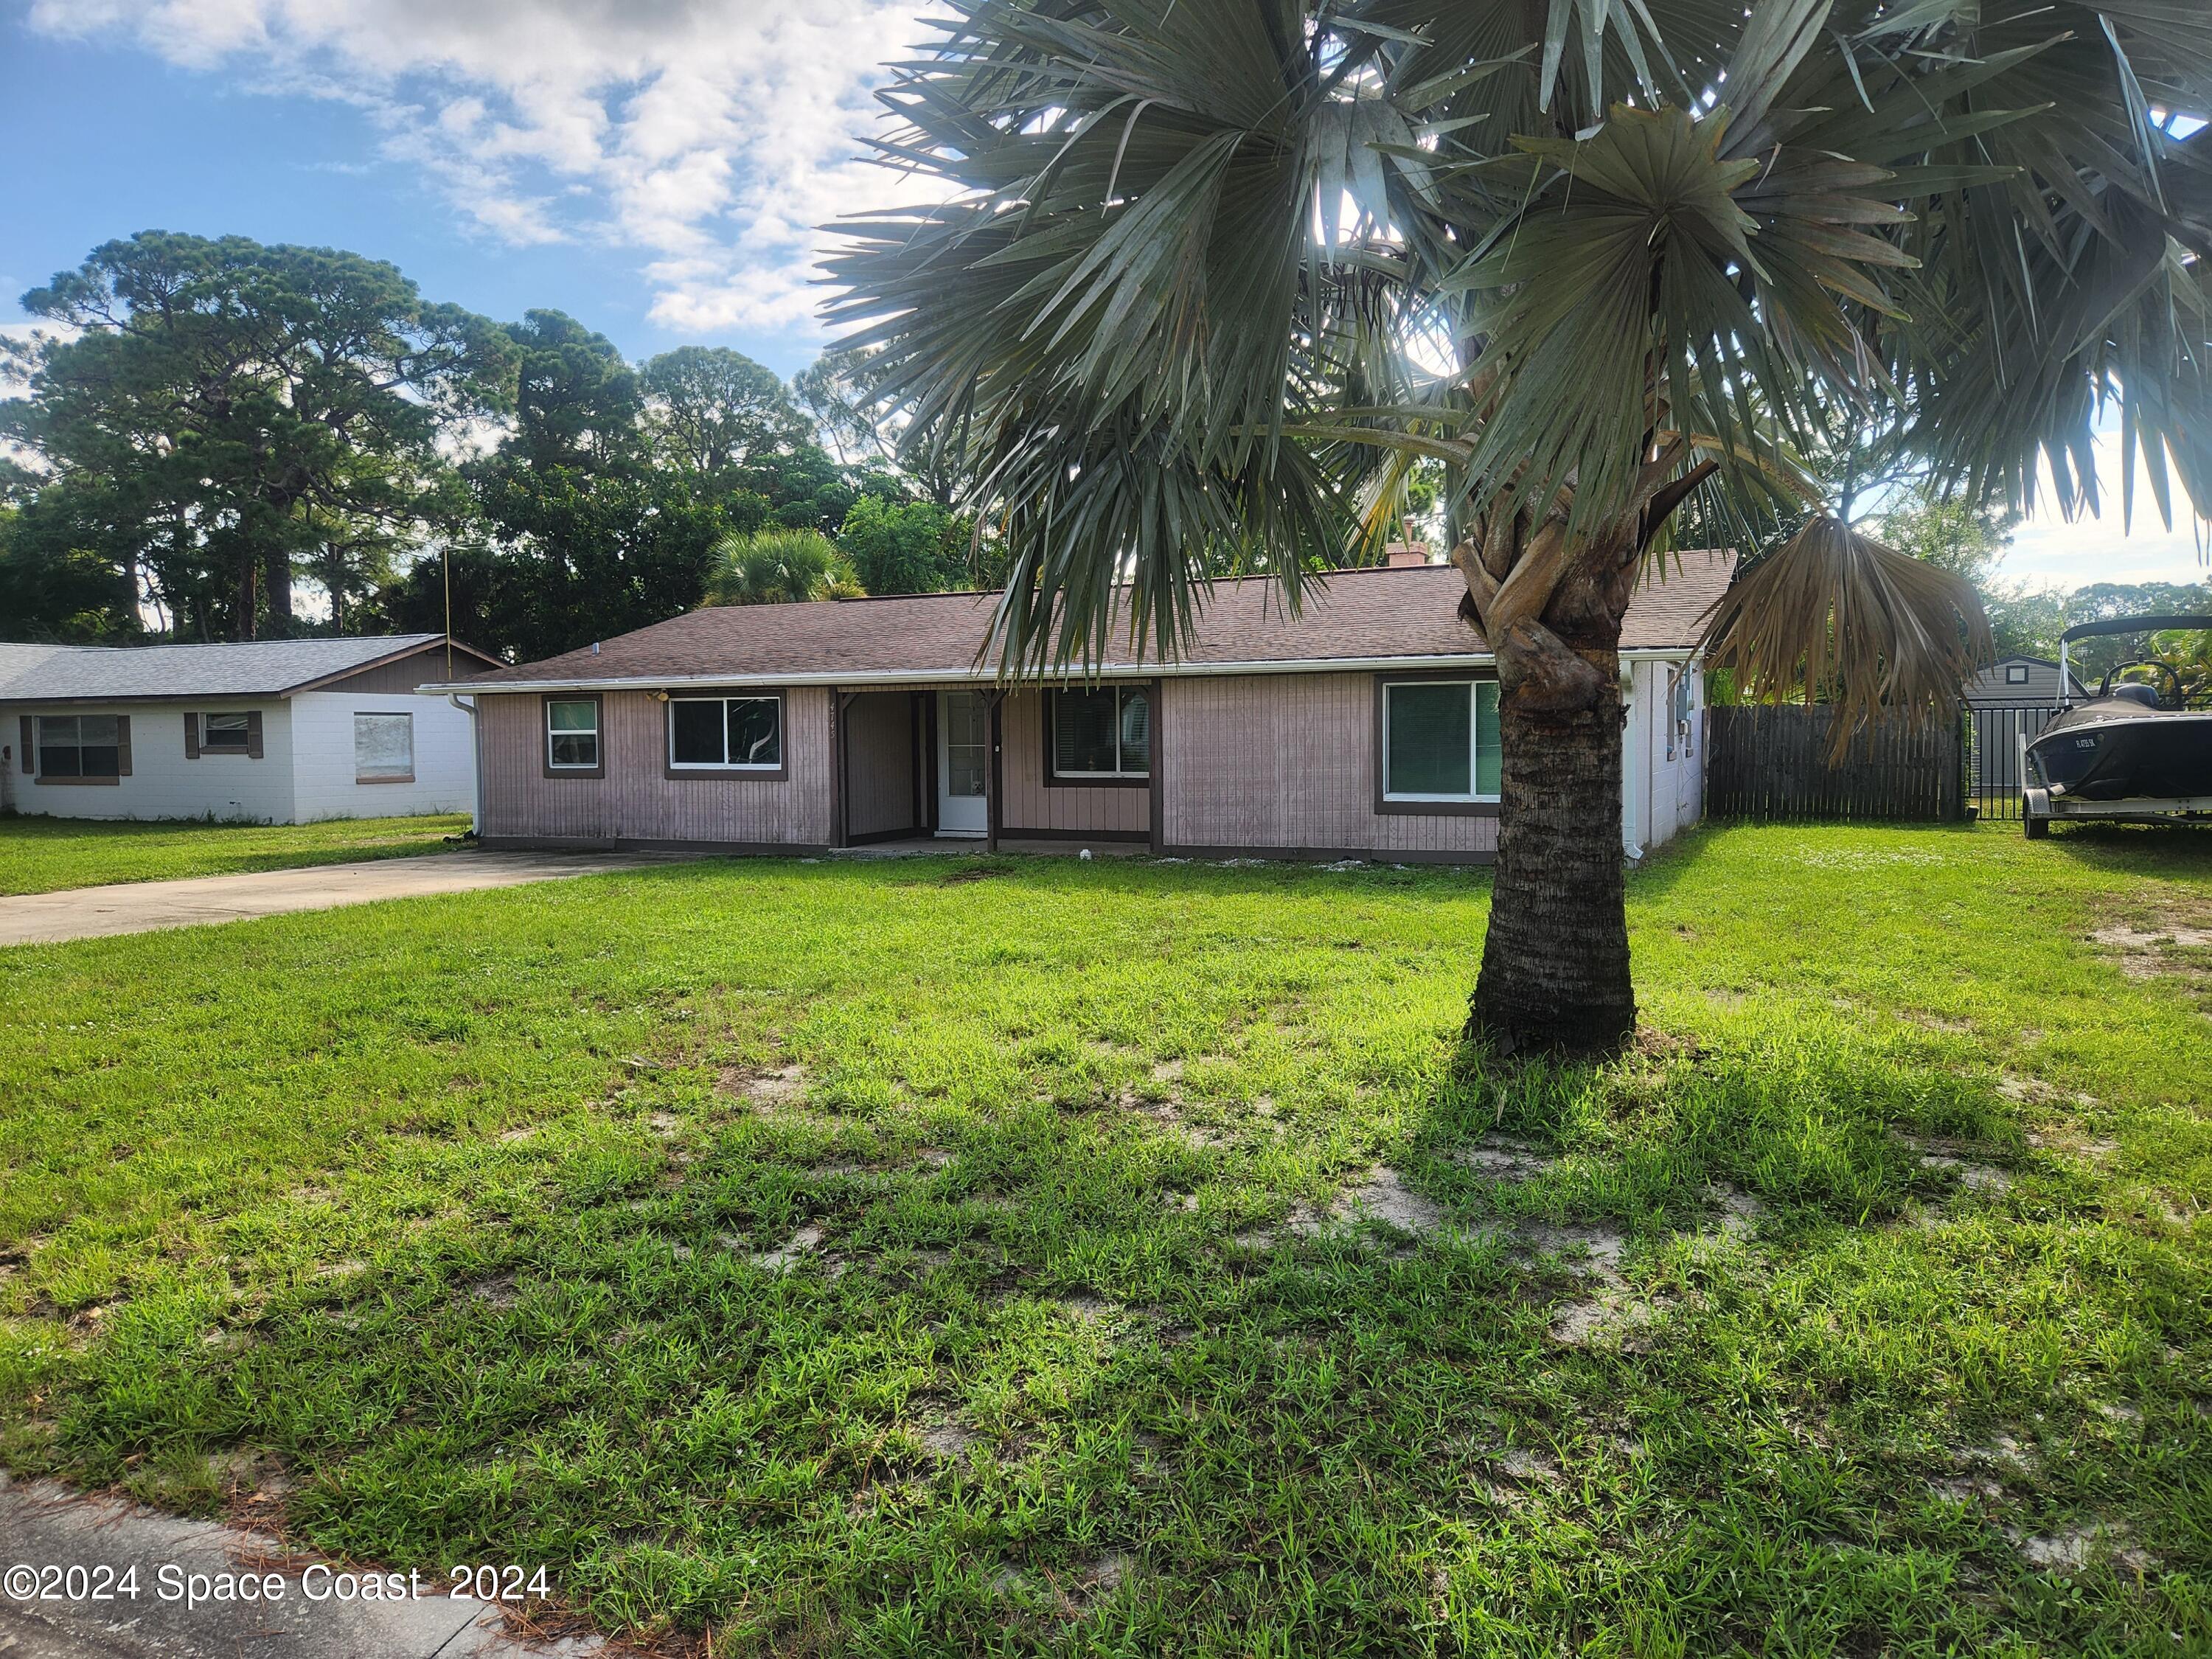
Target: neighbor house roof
(267, 668)
(1370, 617)
(1991, 686)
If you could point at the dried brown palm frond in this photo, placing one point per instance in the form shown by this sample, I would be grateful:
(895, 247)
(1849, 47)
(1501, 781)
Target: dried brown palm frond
(1835, 616)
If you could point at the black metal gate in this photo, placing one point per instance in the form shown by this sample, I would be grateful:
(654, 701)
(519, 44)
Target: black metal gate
(1995, 732)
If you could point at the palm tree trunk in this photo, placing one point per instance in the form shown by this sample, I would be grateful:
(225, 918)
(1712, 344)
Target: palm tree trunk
(1555, 971)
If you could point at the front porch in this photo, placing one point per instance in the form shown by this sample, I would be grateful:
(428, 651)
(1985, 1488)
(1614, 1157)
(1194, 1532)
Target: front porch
(936, 767)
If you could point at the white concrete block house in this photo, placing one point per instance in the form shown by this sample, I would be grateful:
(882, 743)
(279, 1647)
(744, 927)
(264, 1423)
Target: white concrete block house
(1366, 727)
(273, 731)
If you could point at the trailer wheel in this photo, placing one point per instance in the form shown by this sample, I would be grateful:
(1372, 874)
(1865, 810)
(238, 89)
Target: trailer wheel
(2039, 829)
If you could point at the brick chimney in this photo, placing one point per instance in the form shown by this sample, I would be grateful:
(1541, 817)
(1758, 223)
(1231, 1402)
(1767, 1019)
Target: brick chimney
(1398, 556)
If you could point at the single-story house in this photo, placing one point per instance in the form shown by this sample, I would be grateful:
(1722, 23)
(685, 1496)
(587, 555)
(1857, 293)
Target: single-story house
(271, 731)
(2018, 680)
(1366, 727)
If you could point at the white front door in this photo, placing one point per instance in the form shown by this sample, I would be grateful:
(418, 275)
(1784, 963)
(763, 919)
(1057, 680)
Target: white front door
(963, 763)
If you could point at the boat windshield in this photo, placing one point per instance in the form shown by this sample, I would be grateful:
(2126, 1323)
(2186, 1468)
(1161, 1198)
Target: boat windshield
(2170, 680)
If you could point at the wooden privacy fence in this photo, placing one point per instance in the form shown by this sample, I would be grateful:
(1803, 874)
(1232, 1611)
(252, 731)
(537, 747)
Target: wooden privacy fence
(1765, 762)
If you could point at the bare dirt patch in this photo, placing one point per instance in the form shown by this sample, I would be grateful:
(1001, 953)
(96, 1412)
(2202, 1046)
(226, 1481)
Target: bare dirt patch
(1966, 1489)
(1974, 1178)
(1384, 1197)
(1739, 1210)
(797, 1247)
(1958, 1158)
(498, 1291)
(2069, 1142)
(1103, 1576)
(1503, 1159)
(2070, 1549)
(1525, 1465)
(937, 1426)
(1585, 1251)
(2152, 947)
(1607, 1321)
(2034, 1091)
(1169, 1115)
(2001, 1452)
(1612, 1317)
(1381, 1195)
(784, 1090)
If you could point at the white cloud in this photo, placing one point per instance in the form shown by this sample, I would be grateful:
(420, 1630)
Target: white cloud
(711, 136)
(2047, 551)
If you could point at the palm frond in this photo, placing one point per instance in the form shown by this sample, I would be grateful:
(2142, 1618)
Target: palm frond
(1166, 308)
(1833, 615)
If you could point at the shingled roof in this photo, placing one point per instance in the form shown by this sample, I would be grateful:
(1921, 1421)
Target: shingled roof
(1373, 615)
(263, 668)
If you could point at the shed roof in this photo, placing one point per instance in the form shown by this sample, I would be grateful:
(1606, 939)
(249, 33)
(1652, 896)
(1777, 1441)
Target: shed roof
(265, 668)
(1376, 615)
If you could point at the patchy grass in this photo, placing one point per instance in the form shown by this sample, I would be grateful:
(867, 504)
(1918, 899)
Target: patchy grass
(1107, 1258)
(45, 856)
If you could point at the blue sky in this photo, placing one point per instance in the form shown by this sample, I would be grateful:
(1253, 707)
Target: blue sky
(153, 145)
(657, 168)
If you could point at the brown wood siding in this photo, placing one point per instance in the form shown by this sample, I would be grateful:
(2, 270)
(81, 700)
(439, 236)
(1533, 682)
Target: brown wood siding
(1031, 804)
(419, 668)
(635, 801)
(879, 750)
(1287, 761)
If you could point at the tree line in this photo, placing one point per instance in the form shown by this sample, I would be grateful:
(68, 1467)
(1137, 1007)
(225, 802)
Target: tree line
(217, 428)
(223, 439)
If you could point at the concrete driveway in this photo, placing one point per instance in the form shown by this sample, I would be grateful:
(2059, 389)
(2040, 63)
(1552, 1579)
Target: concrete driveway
(140, 907)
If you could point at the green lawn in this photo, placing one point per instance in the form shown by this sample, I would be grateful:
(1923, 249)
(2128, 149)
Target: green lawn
(940, 1257)
(44, 856)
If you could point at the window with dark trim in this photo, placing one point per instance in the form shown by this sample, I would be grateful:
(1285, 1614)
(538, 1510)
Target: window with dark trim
(79, 747)
(2015, 673)
(1104, 731)
(726, 734)
(225, 734)
(1440, 740)
(572, 734)
(87, 746)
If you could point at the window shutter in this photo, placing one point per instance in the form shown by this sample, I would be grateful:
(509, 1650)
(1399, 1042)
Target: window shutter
(253, 735)
(26, 755)
(123, 746)
(192, 736)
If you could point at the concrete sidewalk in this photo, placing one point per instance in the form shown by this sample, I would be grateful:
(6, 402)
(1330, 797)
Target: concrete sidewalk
(139, 907)
(310, 1616)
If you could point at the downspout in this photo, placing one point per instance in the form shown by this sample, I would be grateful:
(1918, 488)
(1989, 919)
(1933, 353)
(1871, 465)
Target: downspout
(1635, 769)
(475, 772)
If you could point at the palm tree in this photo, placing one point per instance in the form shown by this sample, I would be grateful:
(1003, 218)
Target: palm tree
(779, 567)
(1210, 275)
